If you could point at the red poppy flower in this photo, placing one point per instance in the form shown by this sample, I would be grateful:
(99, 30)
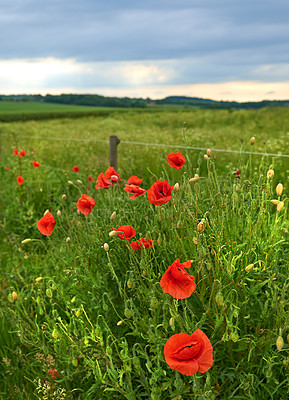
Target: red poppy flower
(134, 180)
(136, 191)
(15, 152)
(22, 153)
(90, 178)
(177, 282)
(102, 182)
(7, 168)
(75, 168)
(20, 180)
(53, 373)
(111, 174)
(85, 204)
(176, 160)
(142, 243)
(189, 354)
(46, 224)
(35, 164)
(160, 193)
(128, 232)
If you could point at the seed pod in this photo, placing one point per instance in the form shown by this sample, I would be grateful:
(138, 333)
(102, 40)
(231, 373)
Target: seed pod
(252, 140)
(113, 216)
(234, 337)
(279, 343)
(279, 189)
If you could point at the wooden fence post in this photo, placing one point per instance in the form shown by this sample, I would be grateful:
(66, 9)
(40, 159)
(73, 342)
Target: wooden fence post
(113, 142)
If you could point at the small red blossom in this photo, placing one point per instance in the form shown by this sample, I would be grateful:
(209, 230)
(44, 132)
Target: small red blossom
(134, 180)
(111, 174)
(75, 168)
(46, 224)
(22, 153)
(125, 232)
(177, 282)
(35, 164)
(238, 173)
(142, 243)
(85, 204)
(136, 191)
(7, 168)
(176, 160)
(102, 182)
(53, 373)
(15, 152)
(90, 178)
(160, 193)
(189, 354)
(20, 180)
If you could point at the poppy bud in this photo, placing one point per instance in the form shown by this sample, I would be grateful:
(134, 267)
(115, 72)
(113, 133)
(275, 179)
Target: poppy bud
(112, 233)
(176, 187)
(63, 197)
(172, 322)
(234, 336)
(48, 293)
(67, 239)
(79, 181)
(129, 284)
(75, 362)
(280, 205)
(194, 179)
(279, 189)
(14, 296)
(279, 343)
(106, 247)
(252, 140)
(219, 299)
(275, 202)
(206, 157)
(113, 216)
(209, 151)
(38, 279)
(270, 173)
(78, 313)
(26, 241)
(127, 313)
(58, 213)
(70, 183)
(249, 267)
(119, 323)
(55, 334)
(195, 240)
(201, 226)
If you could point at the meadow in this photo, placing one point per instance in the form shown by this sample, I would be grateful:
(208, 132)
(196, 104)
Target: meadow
(192, 303)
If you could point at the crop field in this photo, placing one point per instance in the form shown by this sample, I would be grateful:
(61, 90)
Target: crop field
(166, 279)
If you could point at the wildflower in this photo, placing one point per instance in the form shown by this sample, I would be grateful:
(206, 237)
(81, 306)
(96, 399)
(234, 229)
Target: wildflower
(189, 354)
(177, 282)
(35, 164)
(160, 193)
(125, 232)
(176, 160)
(136, 191)
(53, 373)
(20, 180)
(15, 152)
(111, 174)
(270, 174)
(134, 180)
(90, 178)
(102, 182)
(279, 189)
(75, 168)
(142, 243)
(114, 178)
(46, 224)
(22, 153)
(85, 204)
(252, 140)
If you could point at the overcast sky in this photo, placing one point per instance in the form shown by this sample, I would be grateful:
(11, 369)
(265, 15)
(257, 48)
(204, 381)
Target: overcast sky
(222, 49)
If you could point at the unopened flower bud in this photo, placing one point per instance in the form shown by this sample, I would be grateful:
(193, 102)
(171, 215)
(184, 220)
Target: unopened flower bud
(78, 313)
(63, 197)
(194, 179)
(14, 296)
(49, 293)
(129, 284)
(209, 151)
(70, 183)
(127, 313)
(252, 140)
(112, 233)
(176, 187)
(119, 323)
(206, 157)
(38, 279)
(270, 174)
(106, 247)
(275, 202)
(249, 267)
(67, 239)
(58, 213)
(26, 241)
(201, 226)
(172, 321)
(280, 205)
(279, 343)
(79, 181)
(55, 334)
(113, 216)
(219, 299)
(279, 189)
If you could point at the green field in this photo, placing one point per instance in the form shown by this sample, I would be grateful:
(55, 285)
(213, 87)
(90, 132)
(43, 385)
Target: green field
(83, 314)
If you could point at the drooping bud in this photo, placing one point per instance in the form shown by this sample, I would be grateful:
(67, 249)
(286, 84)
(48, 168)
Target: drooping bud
(219, 299)
(79, 181)
(129, 284)
(55, 334)
(58, 213)
(106, 247)
(112, 233)
(67, 239)
(176, 187)
(275, 202)
(63, 197)
(280, 205)
(195, 178)
(279, 189)
(70, 183)
(48, 293)
(252, 140)
(279, 343)
(201, 226)
(249, 267)
(113, 216)
(38, 279)
(179, 224)
(270, 174)
(26, 241)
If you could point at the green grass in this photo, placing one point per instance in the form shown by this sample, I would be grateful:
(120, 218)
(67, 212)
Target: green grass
(100, 318)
